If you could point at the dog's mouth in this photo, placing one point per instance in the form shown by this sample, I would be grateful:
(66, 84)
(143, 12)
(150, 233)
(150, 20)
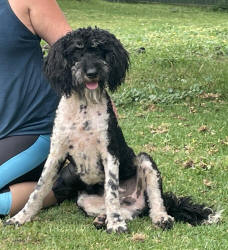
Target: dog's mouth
(91, 85)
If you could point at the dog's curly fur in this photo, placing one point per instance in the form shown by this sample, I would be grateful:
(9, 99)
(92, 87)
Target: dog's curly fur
(79, 66)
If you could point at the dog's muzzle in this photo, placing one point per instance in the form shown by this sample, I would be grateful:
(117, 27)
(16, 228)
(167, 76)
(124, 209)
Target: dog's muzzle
(90, 76)
(81, 79)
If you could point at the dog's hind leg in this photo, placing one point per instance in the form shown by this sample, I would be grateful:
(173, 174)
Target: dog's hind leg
(132, 193)
(106, 206)
(43, 187)
(91, 204)
(149, 177)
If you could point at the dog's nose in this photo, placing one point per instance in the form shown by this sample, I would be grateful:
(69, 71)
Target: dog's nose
(92, 72)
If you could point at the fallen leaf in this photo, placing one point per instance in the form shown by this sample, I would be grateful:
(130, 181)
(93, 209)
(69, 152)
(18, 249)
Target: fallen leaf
(188, 149)
(213, 150)
(139, 237)
(205, 166)
(192, 110)
(207, 183)
(189, 164)
(149, 148)
(203, 128)
(210, 96)
(203, 104)
(152, 107)
(140, 114)
(179, 117)
(163, 128)
(225, 141)
(122, 116)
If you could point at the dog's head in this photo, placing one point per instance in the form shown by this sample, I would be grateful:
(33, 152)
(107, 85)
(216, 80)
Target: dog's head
(86, 59)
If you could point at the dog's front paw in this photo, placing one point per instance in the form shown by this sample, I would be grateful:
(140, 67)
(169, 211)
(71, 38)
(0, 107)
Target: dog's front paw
(163, 221)
(19, 219)
(116, 224)
(117, 227)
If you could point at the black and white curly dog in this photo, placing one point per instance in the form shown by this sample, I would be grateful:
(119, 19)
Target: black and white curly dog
(79, 66)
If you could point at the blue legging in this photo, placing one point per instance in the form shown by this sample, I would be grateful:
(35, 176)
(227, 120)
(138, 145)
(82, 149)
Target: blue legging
(21, 159)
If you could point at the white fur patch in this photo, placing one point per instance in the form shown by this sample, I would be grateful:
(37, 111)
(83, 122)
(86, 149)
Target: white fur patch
(84, 126)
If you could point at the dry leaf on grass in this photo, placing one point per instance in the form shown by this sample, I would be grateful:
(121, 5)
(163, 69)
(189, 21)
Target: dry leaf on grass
(163, 128)
(152, 107)
(213, 150)
(210, 96)
(140, 114)
(205, 166)
(167, 148)
(179, 117)
(150, 148)
(139, 237)
(225, 141)
(207, 183)
(203, 128)
(188, 148)
(122, 116)
(192, 110)
(189, 164)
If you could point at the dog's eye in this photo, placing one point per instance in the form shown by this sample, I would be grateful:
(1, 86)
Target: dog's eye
(79, 45)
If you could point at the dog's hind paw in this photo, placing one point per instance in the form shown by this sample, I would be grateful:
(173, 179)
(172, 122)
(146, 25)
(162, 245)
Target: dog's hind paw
(99, 221)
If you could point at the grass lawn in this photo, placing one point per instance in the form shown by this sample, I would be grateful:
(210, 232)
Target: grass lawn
(173, 105)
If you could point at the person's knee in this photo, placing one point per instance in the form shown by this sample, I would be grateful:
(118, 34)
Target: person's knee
(5, 201)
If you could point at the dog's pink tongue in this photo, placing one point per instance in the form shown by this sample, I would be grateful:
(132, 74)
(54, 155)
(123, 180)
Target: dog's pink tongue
(92, 85)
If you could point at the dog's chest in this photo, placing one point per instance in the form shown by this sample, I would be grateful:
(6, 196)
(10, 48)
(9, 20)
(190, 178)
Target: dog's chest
(85, 129)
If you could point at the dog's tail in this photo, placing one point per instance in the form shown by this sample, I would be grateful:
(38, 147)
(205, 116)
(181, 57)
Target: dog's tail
(183, 209)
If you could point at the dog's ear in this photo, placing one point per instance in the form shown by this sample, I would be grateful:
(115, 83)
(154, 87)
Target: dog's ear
(118, 60)
(57, 70)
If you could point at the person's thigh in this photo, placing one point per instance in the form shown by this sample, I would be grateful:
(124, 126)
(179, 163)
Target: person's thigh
(22, 158)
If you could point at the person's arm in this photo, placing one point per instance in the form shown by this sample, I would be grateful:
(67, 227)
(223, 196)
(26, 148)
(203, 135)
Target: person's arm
(47, 20)
(42, 17)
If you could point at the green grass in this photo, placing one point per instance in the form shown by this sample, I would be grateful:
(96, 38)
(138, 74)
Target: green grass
(173, 105)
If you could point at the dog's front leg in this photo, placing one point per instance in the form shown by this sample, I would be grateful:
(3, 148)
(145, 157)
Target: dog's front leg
(43, 187)
(114, 219)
